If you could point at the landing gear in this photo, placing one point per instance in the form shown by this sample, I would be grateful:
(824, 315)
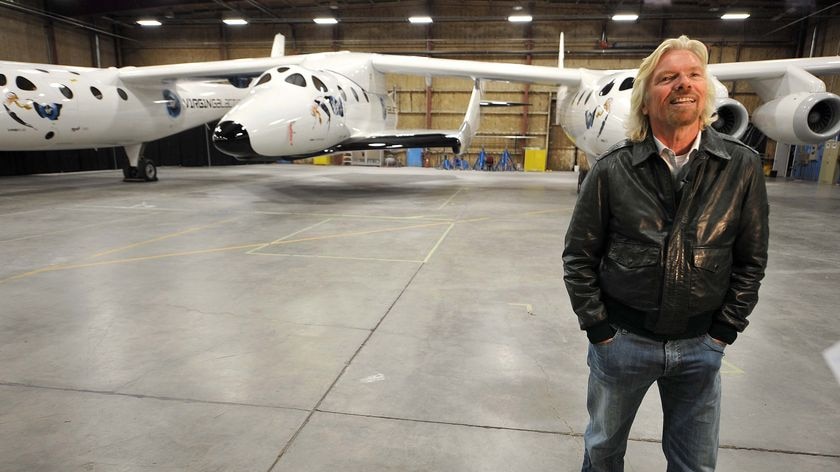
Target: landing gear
(144, 172)
(138, 168)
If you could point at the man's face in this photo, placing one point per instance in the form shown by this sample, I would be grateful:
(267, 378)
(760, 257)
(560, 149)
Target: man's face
(676, 93)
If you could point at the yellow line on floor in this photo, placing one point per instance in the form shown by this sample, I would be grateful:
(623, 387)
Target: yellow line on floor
(729, 368)
(212, 250)
(286, 237)
(253, 251)
(92, 225)
(358, 233)
(56, 268)
(450, 198)
(378, 259)
(473, 220)
(440, 240)
(540, 212)
(368, 217)
(162, 238)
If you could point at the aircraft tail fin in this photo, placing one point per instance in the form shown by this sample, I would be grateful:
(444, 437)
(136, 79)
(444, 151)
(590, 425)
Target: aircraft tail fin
(561, 55)
(472, 119)
(278, 48)
(562, 90)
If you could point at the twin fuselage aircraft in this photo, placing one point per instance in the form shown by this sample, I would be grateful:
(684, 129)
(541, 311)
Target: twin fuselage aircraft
(305, 105)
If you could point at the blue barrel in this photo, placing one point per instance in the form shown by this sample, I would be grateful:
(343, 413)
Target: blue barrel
(415, 157)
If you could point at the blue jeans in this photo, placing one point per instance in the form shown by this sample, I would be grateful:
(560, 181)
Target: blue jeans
(687, 372)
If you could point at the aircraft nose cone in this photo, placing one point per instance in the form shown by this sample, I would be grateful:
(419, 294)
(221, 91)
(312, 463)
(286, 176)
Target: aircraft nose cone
(231, 138)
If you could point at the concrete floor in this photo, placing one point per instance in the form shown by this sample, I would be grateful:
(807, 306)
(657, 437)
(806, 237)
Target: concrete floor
(301, 318)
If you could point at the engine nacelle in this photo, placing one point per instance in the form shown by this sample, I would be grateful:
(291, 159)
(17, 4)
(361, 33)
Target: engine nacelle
(732, 117)
(800, 118)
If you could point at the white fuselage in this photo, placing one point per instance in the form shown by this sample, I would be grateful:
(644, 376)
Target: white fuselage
(306, 109)
(312, 104)
(594, 116)
(49, 107)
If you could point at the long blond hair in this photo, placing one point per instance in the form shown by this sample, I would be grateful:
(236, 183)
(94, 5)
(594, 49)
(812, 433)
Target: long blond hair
(637, 124)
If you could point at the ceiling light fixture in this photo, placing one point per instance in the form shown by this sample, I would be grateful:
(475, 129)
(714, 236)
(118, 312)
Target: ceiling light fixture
(420, 19)
(148, 22)
(235, 21)
(735, 16)
(625, 17)
(520, 18)
(325, 20)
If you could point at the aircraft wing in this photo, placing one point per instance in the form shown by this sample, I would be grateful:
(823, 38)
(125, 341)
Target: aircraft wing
(774, 68)
(206, 70)
(397, 139)
(417, 65)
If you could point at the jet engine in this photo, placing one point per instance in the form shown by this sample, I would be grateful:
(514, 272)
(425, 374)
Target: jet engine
(800, 118)
(731, 117)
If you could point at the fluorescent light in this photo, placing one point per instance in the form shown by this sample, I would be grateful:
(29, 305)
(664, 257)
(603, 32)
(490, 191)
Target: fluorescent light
(148, 22)
(625, 17)
(520, 18)
(325, 21)
(234, 21)
(420, 19)
(735, 16)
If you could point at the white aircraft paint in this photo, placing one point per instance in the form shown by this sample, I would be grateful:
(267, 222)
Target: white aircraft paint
(274, 117)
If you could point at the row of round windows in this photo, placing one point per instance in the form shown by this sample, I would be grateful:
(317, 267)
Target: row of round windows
(25, 84)
(300, 81)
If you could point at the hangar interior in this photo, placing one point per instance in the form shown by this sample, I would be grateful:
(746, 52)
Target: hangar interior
(104, 34)
(321, 318)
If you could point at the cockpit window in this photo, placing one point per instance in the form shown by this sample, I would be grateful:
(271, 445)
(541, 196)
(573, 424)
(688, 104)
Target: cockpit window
(365, 94)
(356, 95)
(319, 85)
(588, 95)
(65, 90)
(280, 70)
(626, 84)
(2, 80)
(122, 94)
(24, 84)
(341, 91)
(263, 79)
(606, 88)
(296, 79)
(96, 93)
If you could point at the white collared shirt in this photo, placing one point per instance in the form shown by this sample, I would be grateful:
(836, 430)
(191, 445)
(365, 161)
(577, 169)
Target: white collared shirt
(676, 163)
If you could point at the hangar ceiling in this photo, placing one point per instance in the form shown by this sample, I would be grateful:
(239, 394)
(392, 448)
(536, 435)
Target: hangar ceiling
(294, 11)
(465, 27)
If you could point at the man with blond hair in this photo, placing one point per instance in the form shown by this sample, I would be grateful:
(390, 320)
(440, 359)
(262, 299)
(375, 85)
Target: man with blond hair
(663, 260)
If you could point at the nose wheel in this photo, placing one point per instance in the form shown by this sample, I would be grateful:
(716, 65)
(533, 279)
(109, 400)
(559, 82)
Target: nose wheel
(144, 172)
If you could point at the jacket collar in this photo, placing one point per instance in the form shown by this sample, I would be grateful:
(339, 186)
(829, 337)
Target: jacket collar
(711, 143)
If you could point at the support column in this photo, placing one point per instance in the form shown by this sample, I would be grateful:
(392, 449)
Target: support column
(529, 46)
(781, 159)
(52, 54)
(429, 46)
(223, 46)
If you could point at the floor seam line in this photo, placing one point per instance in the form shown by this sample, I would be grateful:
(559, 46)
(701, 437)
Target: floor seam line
(343, 370)
(143, 395)
(573, 434)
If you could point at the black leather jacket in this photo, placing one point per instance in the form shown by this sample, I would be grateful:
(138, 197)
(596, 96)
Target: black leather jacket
(665, 263)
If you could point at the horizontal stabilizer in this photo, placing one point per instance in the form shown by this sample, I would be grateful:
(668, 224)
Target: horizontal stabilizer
(500, 103)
